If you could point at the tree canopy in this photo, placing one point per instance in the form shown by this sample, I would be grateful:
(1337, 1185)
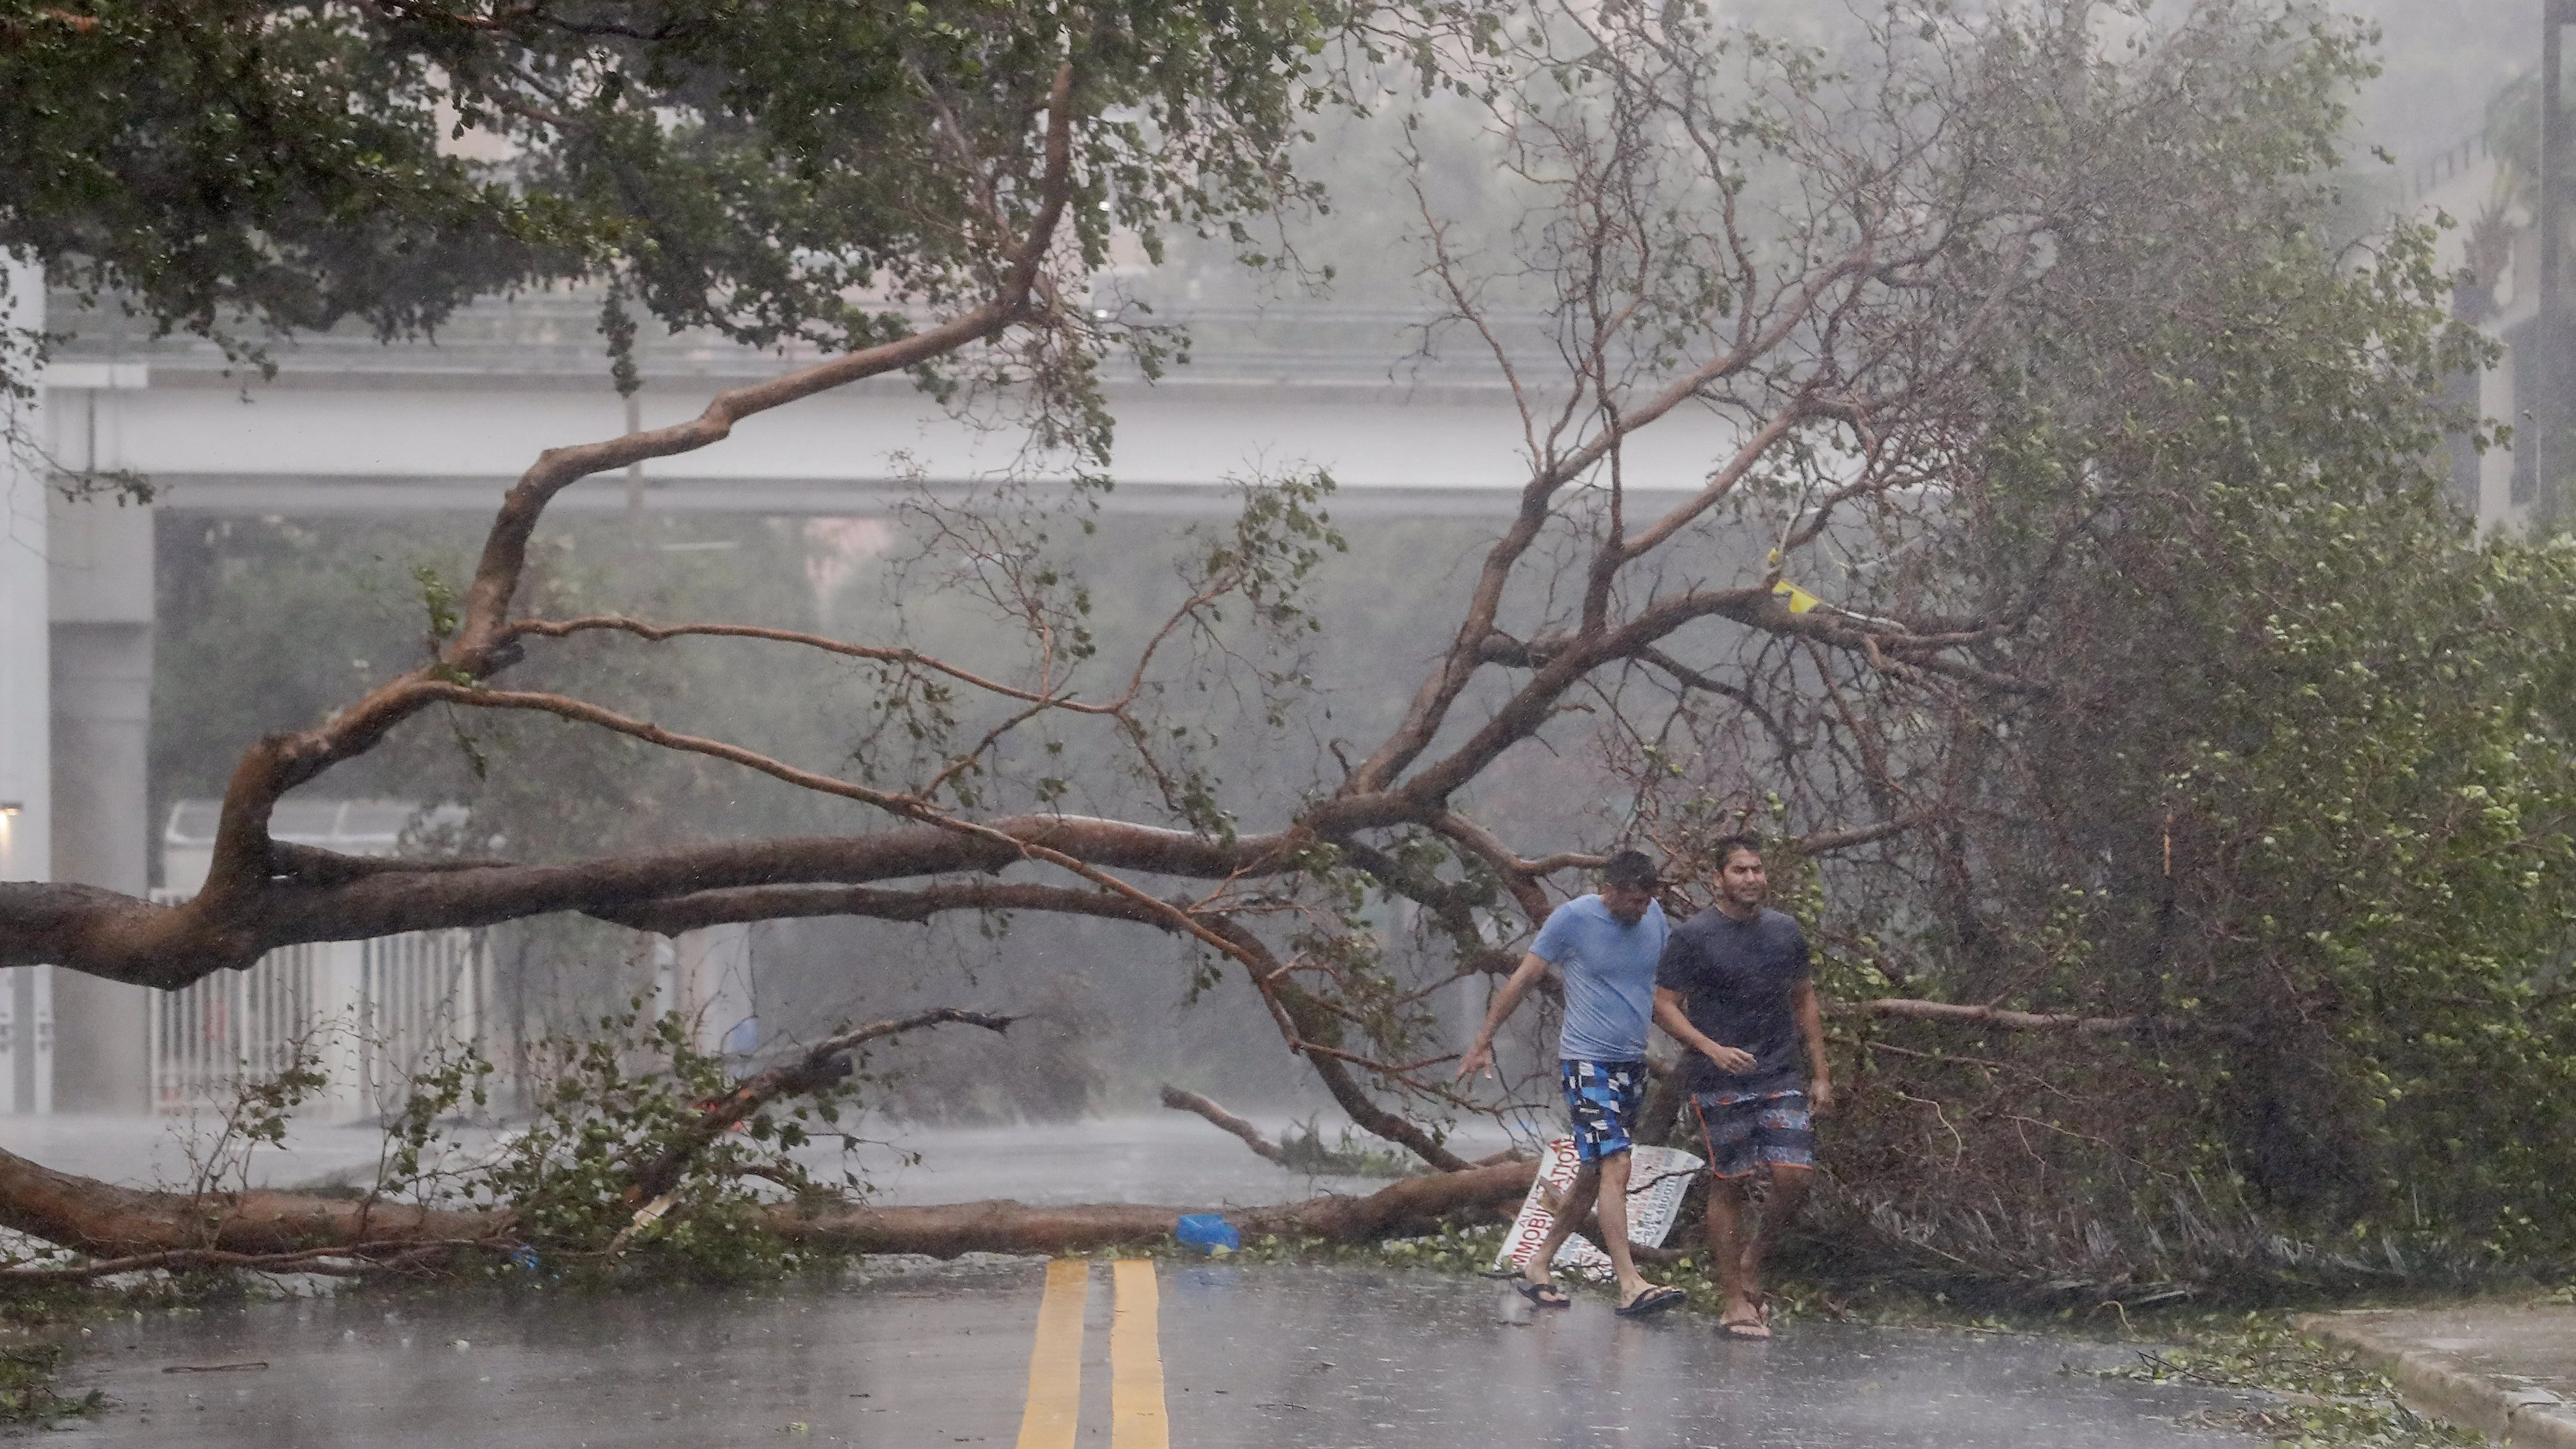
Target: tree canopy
(816, 173)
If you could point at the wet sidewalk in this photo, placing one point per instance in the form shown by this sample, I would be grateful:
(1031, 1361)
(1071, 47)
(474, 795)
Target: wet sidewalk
(2505, 1370)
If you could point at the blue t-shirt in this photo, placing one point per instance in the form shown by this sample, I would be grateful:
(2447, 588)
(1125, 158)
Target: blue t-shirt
(1609, 974)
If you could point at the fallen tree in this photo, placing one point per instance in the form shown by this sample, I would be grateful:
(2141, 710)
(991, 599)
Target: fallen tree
(1863, 348)
(1920, 307)
(1412, 1204)
(130, 1227)
(123, 1230)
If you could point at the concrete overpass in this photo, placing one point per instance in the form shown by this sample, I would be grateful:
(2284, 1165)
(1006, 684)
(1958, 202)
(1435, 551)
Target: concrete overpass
(350, 427)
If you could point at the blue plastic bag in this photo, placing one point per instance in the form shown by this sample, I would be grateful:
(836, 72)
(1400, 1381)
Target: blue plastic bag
(1209, 1231)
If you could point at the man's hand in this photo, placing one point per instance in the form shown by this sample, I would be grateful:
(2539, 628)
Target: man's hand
(1479, 1058)
(1820, 1098)
(1734, 1061)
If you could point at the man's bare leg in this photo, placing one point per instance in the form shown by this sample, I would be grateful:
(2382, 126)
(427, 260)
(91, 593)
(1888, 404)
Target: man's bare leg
(1732, 1244)
(1779, 1209)
(1613, 1212)
(1541, 1268)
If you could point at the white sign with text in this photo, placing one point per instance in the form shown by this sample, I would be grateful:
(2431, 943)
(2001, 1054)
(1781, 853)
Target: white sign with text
(1657, 1178)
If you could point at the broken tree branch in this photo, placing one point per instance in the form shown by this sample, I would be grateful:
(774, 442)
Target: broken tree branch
(820, 1065)
(1903, 1009)
(1180, 1101)
(127, 1226)
(103, 1220)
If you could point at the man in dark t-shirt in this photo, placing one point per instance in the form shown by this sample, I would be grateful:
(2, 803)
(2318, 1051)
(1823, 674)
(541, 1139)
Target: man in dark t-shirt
(1734, 988)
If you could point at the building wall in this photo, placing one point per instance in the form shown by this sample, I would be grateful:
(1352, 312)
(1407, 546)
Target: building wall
(26, 755)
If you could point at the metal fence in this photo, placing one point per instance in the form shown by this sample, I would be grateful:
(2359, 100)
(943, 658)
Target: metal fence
(419, 992)
(367, 1013)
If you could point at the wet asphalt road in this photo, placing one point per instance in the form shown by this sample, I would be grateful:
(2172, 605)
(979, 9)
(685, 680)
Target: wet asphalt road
(1274, 1357)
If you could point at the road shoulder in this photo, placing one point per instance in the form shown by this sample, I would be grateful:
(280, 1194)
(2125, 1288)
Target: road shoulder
(2505, 1370)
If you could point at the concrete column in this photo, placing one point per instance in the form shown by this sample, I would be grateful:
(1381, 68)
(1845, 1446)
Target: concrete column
(101, 596)
(26, 764)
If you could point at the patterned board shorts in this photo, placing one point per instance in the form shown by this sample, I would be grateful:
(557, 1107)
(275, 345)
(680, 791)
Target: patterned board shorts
(1603, 1098)
(1744, 1133)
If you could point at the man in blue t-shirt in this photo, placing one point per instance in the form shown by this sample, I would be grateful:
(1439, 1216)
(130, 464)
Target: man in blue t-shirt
(1735, 989)
(1606, 946)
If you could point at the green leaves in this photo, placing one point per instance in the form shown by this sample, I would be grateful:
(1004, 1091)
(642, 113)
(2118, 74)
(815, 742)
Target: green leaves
(818, 171)
(234, 168)
(2277, 641)
(618, 1099)
(2297, 784)
(440, 602)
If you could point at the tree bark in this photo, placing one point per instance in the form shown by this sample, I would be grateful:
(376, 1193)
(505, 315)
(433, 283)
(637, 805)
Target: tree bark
(1180, 1101)
(1006, 1226)
(1995, 1016)
(135, 1227)
(103, 1220)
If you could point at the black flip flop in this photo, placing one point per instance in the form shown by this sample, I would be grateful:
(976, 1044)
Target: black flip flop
(1653, 1300)
(1545, 1295)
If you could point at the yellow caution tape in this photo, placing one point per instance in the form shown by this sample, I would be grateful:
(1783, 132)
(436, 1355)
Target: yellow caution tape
(1800, 601)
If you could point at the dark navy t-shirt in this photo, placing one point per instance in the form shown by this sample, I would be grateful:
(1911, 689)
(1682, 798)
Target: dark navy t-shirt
(1735, 979)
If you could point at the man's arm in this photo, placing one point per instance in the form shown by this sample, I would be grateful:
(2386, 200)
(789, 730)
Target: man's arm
(1735, 1061)
(1480, 1057)
(1811, 1025)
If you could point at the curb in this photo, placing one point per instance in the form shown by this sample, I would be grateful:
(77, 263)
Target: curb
(2531, 1418)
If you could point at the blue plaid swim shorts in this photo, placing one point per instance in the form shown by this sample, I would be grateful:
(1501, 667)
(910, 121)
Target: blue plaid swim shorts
(1742, 1133)
(1603, 1098)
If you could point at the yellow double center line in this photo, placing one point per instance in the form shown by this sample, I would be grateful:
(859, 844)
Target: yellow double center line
(1136, 1410)
(1055, 1369)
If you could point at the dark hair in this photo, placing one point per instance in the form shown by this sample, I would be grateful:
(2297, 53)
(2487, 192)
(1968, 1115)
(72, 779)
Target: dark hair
(1629, 870)
(1724, 849)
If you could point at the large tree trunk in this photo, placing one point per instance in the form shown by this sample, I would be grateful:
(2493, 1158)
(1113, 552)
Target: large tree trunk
(124, 1227)
(1004, 1226)
(102, 1220)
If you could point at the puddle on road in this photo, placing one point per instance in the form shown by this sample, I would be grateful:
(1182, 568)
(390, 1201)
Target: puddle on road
(912, 1354)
